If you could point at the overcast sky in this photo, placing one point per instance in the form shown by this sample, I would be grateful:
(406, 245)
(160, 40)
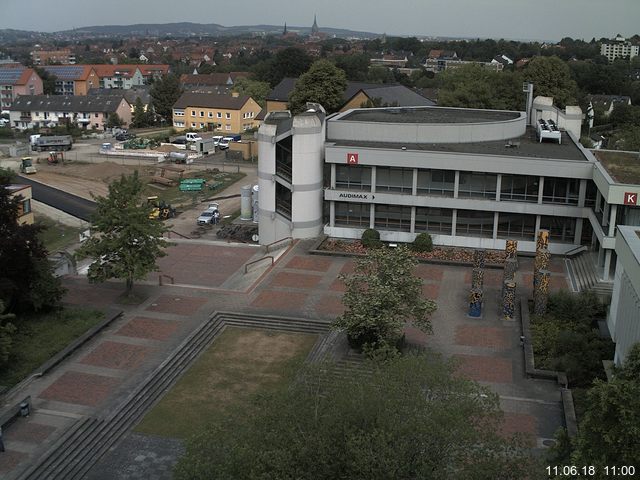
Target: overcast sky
(516, 19)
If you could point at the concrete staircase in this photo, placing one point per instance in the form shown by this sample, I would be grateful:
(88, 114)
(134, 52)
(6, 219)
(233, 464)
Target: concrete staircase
(78, 450)
(583, 275)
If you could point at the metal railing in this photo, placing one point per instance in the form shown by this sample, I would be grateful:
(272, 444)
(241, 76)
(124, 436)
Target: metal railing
(246, 266)
(267, 247)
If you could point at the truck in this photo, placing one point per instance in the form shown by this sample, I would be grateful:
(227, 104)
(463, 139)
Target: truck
(44, 143)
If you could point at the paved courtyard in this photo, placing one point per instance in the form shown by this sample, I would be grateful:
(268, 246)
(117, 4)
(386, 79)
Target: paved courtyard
(210, 277)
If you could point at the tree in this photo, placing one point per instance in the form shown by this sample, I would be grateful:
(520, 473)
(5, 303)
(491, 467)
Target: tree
(551, 77)
(26, 278)
(48, 81)
(324, 83)
(290, 62)
(165, 93)
(126, 243)
(114, 121)
(411, 418)
(253, 88)
(7, 330)
(355, 66)
(610, 427)
(142, 117)
(381, 296)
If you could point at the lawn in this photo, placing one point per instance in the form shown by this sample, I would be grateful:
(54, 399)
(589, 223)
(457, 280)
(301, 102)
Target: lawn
(623, 167)
(40, 336)
(239, 363)
(57, 236)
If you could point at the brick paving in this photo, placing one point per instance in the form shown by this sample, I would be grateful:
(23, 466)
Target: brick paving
(431, 290)
(150, 328)
(28, 431)
(295, 280)
(480, 336)
(81, 388)
(485, 369)
(521, 423)
(94, 295)
(275, 300)
(330, 305)
(429, 272)
(492, 277)
(317, 264)
(10, 459)
(116, 355)
(177, 304)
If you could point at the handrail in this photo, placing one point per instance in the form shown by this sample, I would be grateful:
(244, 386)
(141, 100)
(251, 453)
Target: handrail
(575, 251)
(165, 275)
(259, 260)
(179, 234)
(266, 247)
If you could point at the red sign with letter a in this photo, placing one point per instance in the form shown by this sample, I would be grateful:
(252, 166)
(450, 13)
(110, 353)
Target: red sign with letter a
(352, 158)
(630, 198)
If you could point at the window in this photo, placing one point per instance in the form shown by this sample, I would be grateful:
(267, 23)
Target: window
(96, 115)
(394, 179)
(227, 127)
(201, 113)
(24, 207)
(353, 177)
(178, 113)
(519, 188)
(475, 223)
(352, 214)
(477, 185)
(193, 113)
(218, 114)
(210, 114)
(283, 201)
(436, 182)
(201, 125)
(193, 125)
(179, 124)
(434, 220)
(393, 217)
(560, 190)
(561, 229)
(227, 115)
(516, 226)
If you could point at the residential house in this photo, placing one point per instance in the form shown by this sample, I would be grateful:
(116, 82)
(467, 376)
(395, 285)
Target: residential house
(87, 112)
(228, 113)
(211, 83)
(17, 80)
(24, 196)
(131, 95)
(128, 76)
(503, 59)
(606, 103)
(62, 56)
(73, 79)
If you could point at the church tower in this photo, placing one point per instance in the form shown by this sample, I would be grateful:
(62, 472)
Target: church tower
(314, 29)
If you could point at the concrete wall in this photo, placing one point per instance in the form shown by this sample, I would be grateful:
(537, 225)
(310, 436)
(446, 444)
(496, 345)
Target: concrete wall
(569, 119)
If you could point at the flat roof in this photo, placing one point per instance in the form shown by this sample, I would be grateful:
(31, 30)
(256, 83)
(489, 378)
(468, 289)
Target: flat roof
(428, 115)
(526, 145)
(623, 167)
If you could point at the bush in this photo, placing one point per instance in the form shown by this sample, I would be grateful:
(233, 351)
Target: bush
(422, 243)
(371, 238)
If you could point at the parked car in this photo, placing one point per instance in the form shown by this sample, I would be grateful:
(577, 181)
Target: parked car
(124, 136)
(210, 216)
(216, 140)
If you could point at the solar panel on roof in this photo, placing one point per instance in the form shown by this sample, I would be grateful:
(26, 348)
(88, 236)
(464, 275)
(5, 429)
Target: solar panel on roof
(65, 72)
(10, 75)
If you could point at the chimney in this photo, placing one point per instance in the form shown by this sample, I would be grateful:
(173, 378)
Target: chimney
(235, 94)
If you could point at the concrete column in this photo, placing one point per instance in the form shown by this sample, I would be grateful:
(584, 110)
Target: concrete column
(373, 180)
(600, 255)
(454, 220)
(495, 225)
(540, 190)
(372, 216)
(414, 187)
(607, 265)
(605, 214)
(598, 198)
(498, 187)
(582, 193)
(456, 184)
(333, 178)
(578, 235)
(332, 213)
(413, 220)
(612, 220)
(537, 226)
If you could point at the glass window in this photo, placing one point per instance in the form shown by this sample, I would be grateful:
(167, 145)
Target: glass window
(474, 223)
(591, 194)
(354, 214)
(393, 217)
(283, 201)
(516, 226)
(434, 220)
(201, 113)
(561, 229)
(227, 115)
(219, 114)
(354, 177)
(519, 188)
(193, 113)
(477, 185)
(394, 179)
(560, 190)
(436, 182)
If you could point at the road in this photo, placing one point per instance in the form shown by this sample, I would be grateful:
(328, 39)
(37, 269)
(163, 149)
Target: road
(71, 204)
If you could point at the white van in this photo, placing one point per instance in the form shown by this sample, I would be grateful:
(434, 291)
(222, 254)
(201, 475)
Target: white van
(192, 137)
(216, 140)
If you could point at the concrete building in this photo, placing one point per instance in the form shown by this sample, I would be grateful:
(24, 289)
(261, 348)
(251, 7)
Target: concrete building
(470, 178)
(63, 56)
(73, 79)
(227, 113)
(16, 80)
(619, 48)
(624, 312)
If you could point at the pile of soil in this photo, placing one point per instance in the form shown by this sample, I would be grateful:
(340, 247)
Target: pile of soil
(237, 233)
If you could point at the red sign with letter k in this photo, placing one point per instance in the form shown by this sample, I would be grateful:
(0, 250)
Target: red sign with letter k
(630, 198)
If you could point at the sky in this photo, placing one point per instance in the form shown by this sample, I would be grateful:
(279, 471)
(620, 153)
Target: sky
(509, 19)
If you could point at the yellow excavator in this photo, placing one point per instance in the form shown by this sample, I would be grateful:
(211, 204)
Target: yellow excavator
(159, 209)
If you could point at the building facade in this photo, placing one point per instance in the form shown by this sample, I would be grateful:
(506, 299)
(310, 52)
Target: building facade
(59, 57)
(73, 79)
(16, 81)
(470, 178)
(225, 113)
(24, 196)
(619, 48)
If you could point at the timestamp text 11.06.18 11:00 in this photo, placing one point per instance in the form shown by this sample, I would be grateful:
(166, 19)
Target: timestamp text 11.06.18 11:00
(587, 471)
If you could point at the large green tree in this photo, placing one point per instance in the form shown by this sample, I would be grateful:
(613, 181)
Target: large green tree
(165, 93)
(410, 418)
(610, 428)
(26, 278)
(288, 62)
(125, 243)
(324, 83)
(381, 296)
(253, 88)
(551, 77)
(142, 117)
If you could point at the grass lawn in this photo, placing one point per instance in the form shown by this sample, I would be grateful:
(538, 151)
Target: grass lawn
(57, 236)
(174, 196)
(239, 363)
(624, 167)
(40, 336)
